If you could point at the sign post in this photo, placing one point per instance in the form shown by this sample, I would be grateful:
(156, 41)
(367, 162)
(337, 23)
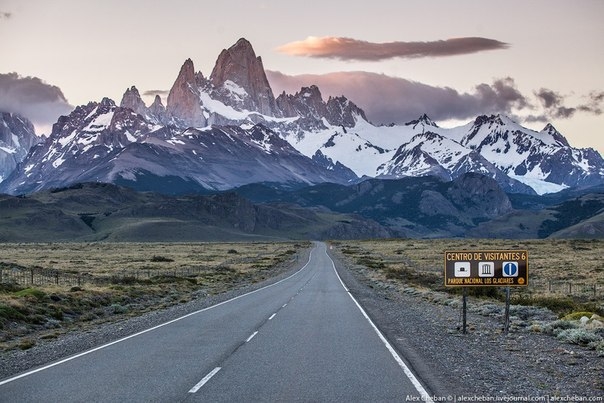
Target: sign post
(487, 268)
(506, 326)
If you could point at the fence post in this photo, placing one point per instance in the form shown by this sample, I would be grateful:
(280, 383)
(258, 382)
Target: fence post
(31, 276)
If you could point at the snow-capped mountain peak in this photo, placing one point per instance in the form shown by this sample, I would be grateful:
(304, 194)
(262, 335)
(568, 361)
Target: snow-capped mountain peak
(423, 120)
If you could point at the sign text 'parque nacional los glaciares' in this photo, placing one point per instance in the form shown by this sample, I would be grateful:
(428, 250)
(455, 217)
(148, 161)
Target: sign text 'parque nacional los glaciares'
(486, 268)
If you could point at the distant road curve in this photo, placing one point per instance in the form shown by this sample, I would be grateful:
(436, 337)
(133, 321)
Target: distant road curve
(304, 338)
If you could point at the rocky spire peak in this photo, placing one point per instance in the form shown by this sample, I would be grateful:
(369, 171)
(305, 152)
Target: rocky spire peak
(183, 100)
(239, 65)
(132, 100)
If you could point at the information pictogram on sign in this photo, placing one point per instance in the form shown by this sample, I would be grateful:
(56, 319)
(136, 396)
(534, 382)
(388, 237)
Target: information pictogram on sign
(510, 269)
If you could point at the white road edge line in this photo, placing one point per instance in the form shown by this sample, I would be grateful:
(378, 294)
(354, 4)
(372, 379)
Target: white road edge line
(54, 364)
(425, 397)
(272, 316)
(251, 336)
(205, 379)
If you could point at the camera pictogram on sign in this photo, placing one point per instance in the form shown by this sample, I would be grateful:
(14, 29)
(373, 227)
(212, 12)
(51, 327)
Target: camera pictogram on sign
(462, 269)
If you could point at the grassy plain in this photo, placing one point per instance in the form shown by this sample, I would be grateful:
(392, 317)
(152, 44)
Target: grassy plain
(121, 279)
(564, 275)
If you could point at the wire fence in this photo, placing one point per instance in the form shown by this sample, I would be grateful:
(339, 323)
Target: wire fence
(566, 288)
(40, 277)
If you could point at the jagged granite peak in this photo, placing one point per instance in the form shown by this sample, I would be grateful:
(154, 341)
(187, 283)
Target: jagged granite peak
(306, 103)
(183, 102)
(550, 130)
(132, 99)
(343, 112)
(17, 137)
(157, 109)
(239, 72)
(423, 120)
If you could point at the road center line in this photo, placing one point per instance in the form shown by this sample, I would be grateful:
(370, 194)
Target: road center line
(251, 336)
(272, 316)
(418, 386)
(204, 380)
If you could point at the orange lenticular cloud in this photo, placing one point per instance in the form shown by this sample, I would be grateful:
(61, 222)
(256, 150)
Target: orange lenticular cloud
(354, 49)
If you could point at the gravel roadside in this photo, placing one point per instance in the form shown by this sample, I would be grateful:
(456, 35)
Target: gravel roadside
(480, 365)
(485, 364)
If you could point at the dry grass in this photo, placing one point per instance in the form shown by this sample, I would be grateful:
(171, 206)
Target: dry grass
(560, 270)
(45, 310)
(102, 259)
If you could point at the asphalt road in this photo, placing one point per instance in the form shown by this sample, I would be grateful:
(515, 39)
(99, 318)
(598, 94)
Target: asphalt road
(304, 338)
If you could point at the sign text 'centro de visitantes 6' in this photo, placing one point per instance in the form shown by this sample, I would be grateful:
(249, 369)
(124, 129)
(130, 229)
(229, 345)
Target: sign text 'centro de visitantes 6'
(486, 268)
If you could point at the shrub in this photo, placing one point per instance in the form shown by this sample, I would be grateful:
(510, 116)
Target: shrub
(558, 326)
(31, 292)
(161, 259)
(10, 313)
(578, 336)
(577, 315)
(599, 347)
(559, 305)
(26, 344)
(128, 280)
(371, 263)
(117, 309)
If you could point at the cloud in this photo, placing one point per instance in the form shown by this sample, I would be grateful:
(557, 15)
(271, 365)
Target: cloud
(354, 49)
(554, 105)
(153, 93)
(387, 99)
(32, 98)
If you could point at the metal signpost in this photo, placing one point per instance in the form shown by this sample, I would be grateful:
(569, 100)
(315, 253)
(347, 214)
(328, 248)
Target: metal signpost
(487, 268)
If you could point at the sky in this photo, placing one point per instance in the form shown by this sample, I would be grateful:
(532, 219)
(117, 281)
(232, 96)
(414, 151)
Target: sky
(536, 61)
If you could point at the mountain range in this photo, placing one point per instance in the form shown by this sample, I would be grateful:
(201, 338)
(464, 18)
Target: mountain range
(228, 130)
(224, 156)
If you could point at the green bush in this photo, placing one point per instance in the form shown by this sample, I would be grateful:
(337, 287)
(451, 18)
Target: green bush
(9, 313)
(559, 305)
(31, 292)
(578, 315)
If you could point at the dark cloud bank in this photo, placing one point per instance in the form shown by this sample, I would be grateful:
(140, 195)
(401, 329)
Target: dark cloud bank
(388, 99)
(32, 98)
